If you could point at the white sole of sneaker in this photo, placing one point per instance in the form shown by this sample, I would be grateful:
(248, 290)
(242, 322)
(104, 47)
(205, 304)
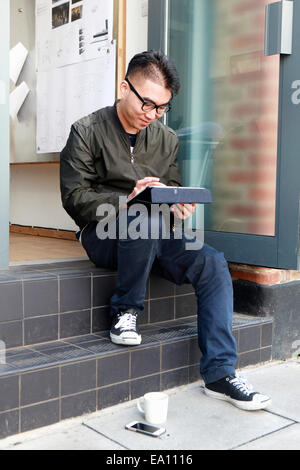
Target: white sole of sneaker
(126, 341)
(243, 405)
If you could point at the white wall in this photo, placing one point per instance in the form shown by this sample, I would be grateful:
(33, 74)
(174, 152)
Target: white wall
(137, 27)
(34, 189)
(35, 197)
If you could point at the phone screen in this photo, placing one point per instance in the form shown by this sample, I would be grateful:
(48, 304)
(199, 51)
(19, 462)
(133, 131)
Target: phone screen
(145, 427)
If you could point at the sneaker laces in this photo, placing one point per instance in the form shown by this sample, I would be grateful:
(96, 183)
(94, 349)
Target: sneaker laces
(242, 384)
(127, 321)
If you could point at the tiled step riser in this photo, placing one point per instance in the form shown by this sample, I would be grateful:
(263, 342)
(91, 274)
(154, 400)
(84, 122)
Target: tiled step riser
(49, 305)
(36, 397)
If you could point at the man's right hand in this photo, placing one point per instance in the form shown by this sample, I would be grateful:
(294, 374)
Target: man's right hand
(142, 184)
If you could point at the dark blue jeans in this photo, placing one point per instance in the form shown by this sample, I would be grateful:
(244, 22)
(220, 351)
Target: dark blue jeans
(206, 269)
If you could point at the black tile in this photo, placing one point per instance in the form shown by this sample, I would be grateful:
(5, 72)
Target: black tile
(249, 358)
(77, 405)
(72, 271)
(75, 294)
(147, 295)
(143, 318)
(175, 355)
(160, 287)
(175, 378)
(34, 275)
(267, 334)
(161, 309)
(82, 339)
(249, 338)
(39, 386)
(110, 396)
(194, 352)
(36, 416)
(9, 423)
(165, 334)
(75, 323)
(194, 373)
(12, 308)
(40, 329)
(235, 334)
(240, 320)
(101, 319)
(26, 360)
(25, 267)
(5, 370)
(43, 347)
(101, 346)
(40, 297)
(11, 333)
(113, 369)
(184, 289)
(145, 361)
(61, 353)
(7, 277)
(103, 289)
(78, 377)
(185, 305)
(266, 354)
(147, 384)
(9, 395)
(178, 322)
(71, 264)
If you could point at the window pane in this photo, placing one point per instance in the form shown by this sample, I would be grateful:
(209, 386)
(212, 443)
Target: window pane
(226, 112)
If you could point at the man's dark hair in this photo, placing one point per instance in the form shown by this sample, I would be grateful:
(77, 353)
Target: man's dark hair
(155, 66)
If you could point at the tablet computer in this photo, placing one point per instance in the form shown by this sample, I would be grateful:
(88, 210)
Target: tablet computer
(172, 195)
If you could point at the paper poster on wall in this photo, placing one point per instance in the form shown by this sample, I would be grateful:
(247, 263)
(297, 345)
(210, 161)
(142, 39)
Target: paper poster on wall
(72, 31)
(75, 62)
(65, 94)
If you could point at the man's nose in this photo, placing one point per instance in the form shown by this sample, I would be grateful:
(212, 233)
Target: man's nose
(151, 114)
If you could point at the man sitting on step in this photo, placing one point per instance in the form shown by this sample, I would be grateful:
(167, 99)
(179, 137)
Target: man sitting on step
(111, 156)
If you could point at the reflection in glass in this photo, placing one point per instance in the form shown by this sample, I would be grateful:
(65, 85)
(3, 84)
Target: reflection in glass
(226, 112)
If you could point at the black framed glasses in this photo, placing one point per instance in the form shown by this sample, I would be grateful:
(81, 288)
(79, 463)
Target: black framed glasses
(148, 106)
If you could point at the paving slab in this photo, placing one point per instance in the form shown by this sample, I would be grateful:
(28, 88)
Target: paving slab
(285, 439)
(281, 381)
(195, 422)
(76, 438)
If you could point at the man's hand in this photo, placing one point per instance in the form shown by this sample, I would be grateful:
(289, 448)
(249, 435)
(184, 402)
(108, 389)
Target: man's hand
(142, 184)
(183, 211)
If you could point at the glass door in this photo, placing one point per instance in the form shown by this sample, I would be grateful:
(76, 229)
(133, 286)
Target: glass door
(226, 115)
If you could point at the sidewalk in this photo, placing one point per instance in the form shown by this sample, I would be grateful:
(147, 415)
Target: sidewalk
(195, 421)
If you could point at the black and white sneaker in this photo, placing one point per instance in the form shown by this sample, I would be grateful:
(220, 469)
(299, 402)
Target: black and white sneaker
(237, 391)
(124, 328)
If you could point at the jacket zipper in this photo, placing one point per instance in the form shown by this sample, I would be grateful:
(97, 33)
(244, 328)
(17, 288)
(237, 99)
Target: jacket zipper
(131, 156)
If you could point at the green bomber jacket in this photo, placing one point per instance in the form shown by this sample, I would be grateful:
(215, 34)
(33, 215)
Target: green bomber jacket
(97, 166)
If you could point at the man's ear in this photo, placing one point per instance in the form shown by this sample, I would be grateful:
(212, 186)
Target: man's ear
(124, 89)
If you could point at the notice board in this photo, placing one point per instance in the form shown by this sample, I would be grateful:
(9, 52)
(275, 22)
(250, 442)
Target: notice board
(76, 65)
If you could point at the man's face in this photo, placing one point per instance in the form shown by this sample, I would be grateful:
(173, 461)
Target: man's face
(134, 118)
